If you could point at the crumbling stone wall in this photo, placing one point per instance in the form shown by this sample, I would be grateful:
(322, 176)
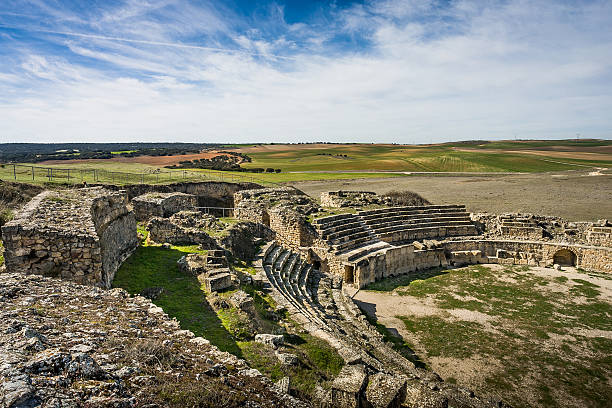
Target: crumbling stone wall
(162, 230)
(152, 205)
(338, 199)
(241, 239)
(291, 229)
(81, 235)
(600, 235)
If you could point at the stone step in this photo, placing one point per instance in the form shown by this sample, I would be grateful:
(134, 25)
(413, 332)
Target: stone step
(416, 226)
(385, 210)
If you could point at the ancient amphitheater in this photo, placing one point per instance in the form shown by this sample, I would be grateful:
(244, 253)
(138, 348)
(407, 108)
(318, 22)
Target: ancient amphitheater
(315, 257)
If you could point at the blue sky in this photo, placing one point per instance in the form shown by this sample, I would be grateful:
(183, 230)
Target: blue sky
(402, 71)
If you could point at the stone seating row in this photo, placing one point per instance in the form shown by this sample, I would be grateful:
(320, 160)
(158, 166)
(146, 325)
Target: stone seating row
(321, 303)
(415, 209)
(415, 234)
(400, 219)
(411, 215)
(391, 226)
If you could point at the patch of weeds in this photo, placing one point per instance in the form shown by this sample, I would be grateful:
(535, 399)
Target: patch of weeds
(236, 323)
(322, 355)
(561, 279)
(413, 280)
(584, 288)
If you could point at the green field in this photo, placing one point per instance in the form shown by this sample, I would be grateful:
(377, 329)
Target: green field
(338, 162)
(438, 158)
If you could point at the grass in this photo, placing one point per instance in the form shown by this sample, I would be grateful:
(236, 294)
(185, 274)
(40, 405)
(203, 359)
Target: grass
(153, 266)
(229, 329)
(535, 328)
(434, 158)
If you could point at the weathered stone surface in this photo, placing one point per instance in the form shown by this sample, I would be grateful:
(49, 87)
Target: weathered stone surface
(386, 391)
(347, 387)
(82, 235)
(156, 204)
(108, 351)
(218, 282)
(287, 359)
(273, 340)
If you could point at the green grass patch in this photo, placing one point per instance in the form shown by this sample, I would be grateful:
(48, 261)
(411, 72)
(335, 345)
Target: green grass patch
(154, 266)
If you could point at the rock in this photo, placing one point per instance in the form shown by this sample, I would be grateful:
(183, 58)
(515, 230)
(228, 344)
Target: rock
(84, 366)
(81, 348)
(287, 359)
(386, 391)
(347, 386)
(283, 385)
(250, 372)
(166, 245)
(199, 341)
(126, 371)
(273, 340)
(16, 392)
(557, 267)
(50, 361)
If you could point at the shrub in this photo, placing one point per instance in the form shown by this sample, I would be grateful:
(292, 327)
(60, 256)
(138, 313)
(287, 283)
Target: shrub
(406, 198)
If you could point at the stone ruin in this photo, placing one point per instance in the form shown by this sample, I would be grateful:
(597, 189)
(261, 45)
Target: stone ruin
(340, 199)
(311, 264)
(81, 235)
(162, 205)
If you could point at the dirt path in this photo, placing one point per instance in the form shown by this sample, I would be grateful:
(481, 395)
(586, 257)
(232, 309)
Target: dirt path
(573, 195)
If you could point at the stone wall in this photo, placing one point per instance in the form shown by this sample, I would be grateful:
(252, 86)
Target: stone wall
(599, 235)
(152, 205)
(81, 235)
(162, 230)
(516, 252)
(241, 239)
(338, 199)
(291, 229)
(209, 193)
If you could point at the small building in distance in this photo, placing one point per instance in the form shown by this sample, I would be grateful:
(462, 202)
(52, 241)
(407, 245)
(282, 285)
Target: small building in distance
(82, 235)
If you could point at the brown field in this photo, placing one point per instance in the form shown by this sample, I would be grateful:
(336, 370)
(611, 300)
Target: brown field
(596, 153)
(159, 161)
(573, 195)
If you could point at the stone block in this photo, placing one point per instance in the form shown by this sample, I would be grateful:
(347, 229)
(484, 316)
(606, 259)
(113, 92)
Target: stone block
(218, 282)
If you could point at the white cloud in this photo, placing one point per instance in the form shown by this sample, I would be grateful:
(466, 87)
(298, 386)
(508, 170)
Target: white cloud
(466, 71)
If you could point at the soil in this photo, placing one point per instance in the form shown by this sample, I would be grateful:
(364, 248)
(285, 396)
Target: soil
(473, 372)
(574, 195)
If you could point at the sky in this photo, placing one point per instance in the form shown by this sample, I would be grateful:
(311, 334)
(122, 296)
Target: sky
(246, 71)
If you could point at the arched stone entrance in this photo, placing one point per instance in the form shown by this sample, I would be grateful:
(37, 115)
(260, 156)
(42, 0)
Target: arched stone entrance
(564, 257)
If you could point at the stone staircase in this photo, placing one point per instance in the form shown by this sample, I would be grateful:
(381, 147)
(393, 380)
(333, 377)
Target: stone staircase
(318, 302)
(347, 235)
(520, 227)
(405, 224)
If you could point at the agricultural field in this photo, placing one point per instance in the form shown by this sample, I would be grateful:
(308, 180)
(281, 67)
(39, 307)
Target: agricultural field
(495, 157)
(528, 335)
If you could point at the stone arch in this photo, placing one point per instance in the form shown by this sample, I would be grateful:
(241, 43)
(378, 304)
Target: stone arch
(565, 257)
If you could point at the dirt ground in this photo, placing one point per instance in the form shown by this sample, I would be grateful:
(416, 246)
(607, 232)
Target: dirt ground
(573, 195)
(476, 370)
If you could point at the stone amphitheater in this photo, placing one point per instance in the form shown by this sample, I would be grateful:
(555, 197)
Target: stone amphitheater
(316, 256)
